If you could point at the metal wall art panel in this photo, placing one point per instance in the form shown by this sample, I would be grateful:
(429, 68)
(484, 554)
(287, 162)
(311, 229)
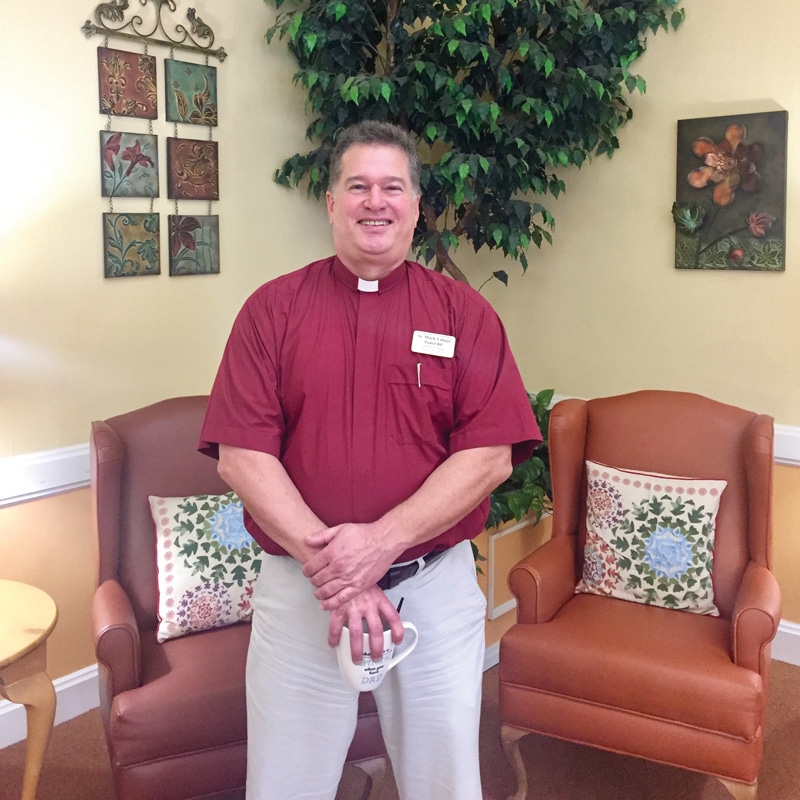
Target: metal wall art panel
(192, 169)
(191, 91)
(193, 244)
(130, 245)
(127, 83)
(129, 164)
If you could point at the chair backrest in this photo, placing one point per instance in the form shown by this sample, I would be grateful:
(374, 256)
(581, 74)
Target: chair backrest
(150, 451)
(673, 433)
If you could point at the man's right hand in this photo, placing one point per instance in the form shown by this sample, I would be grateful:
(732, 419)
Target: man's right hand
(366, 611)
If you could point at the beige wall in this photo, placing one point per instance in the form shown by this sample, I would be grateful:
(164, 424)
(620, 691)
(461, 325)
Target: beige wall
(602, 311)
(73, 345)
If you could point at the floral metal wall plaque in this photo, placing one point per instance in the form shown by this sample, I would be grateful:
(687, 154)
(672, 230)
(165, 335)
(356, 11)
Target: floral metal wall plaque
(730, 206)
(129, 164)
(130, 245)
(127, 83)
(193, 169)
(191, 91)
(193, 244)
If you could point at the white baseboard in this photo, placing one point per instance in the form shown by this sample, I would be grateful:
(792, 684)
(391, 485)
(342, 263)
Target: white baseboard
(786, 644)
(491, 657)
(76, 694)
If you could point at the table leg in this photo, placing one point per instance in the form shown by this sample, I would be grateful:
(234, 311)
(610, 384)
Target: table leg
(38, 696)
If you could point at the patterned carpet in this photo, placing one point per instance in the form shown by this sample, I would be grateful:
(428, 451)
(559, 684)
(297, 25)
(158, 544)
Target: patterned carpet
(76, 766)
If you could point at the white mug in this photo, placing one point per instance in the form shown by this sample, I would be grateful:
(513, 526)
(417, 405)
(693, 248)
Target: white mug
(368, 675)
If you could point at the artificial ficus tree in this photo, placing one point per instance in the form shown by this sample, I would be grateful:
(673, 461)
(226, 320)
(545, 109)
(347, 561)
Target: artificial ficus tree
(501, 94)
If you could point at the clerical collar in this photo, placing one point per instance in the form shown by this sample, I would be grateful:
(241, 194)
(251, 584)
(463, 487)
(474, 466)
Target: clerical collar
(360, 285)
(367, 286)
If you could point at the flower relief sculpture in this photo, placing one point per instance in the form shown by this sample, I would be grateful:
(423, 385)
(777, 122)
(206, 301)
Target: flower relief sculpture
(130, 164)
(726, 226)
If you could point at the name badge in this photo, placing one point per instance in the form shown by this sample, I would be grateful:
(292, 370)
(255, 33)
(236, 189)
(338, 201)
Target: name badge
(433, 344)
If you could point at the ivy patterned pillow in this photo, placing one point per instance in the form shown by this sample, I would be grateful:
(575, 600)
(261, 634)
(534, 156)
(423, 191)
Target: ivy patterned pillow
(207, 563)
(650, 538)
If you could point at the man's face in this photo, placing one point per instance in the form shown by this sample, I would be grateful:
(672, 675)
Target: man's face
(373, 210)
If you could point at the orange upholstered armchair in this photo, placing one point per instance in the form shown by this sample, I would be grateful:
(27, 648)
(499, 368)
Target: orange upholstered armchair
(174, 712)
(681, 688)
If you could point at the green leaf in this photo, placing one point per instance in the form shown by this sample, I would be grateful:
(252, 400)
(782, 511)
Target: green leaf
(386, 91)
(297, 21)
(460, 26)
(502, 276)
(339, 11)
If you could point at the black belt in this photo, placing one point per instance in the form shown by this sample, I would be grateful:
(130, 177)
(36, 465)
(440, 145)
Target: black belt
(402, 572)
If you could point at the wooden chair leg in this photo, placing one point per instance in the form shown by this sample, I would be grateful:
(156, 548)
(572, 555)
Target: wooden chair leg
(510, 737)
(375, 769)
(740, 791)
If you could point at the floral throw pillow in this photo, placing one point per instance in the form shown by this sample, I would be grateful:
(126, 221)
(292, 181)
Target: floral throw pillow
(207, 563)
(650, 538)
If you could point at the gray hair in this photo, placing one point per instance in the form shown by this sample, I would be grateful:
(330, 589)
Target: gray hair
(374, 132)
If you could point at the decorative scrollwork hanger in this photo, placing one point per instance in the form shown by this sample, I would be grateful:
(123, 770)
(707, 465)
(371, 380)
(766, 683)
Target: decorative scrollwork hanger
(110, 21)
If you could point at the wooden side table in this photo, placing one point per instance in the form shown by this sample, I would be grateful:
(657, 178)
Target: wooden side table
(27, 617)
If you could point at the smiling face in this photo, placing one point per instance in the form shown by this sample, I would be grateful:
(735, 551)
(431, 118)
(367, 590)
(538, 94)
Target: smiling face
(373, 209)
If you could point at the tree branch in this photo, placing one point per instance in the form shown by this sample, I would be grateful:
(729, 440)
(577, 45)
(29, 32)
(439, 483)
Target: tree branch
(443, 260)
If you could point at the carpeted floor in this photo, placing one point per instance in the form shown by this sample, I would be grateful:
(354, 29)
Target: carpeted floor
(76, 766)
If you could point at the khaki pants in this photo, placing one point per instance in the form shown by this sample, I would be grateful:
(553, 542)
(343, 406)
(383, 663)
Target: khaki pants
(302, 714)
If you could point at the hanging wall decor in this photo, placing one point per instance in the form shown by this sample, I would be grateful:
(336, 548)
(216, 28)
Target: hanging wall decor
(127, 83)
(730, 204)
(193, 244)
(130, 245)
(191, 92)
(129, 164)
(109, 20)
(192, 169)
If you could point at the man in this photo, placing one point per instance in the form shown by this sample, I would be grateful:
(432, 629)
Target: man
(364, 409)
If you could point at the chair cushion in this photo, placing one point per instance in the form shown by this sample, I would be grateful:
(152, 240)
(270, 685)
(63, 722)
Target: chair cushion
(639, 659)
(650, 538)
(207, 563)
(192, 697)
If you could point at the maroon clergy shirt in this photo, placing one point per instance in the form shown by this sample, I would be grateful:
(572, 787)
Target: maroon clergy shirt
(320, 374)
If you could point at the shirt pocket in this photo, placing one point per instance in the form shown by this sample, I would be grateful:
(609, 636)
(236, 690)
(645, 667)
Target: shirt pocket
(420, 408)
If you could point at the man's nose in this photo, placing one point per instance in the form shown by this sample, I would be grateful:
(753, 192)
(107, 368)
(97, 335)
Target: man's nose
(375, 197)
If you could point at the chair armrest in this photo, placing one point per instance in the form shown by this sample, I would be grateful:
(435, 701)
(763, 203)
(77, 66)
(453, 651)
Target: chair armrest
(755, 619)
(116, 638)
(544, 580)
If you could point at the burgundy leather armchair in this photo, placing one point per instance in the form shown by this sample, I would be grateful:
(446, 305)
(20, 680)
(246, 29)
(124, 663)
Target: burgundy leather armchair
(670, 686)
(174, 713)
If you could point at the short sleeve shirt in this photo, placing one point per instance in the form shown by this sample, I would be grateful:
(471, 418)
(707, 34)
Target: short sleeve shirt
(320, 374)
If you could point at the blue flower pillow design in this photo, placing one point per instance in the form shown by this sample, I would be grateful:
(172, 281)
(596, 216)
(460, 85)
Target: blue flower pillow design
(650, 538)
(207, 563)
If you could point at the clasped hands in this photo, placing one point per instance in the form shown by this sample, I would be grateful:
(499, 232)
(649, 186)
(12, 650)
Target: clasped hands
(349, 561)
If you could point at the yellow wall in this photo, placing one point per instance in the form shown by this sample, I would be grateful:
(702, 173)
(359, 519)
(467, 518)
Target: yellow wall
(49, 543)
(601, 312)
(604, 310)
